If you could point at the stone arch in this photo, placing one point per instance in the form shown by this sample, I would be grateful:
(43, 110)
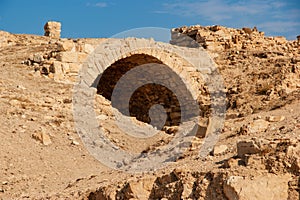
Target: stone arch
(114, 72)
(193, 66)
(113, 53)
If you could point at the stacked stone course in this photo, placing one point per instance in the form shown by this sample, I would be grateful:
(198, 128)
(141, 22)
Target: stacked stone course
(52, 29)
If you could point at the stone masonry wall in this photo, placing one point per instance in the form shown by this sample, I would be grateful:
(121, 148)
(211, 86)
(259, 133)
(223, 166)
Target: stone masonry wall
(64, 63)
(235, 51)
(52, 29)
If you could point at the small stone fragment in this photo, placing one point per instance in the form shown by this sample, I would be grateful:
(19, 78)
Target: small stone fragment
(74, 142)
(230, 163)
(259, 125)
(254, 162)
(218, 150)
(247, 147)
(275, 118)
(38, 58)
(66, 45)
(139, 189)
(67, 57)
(43, 138)
(46, 139)
(170, 129)
(259, 188)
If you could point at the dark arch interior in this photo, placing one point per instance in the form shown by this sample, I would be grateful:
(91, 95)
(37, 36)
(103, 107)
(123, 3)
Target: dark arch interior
(144, 97)
(152, 94)
(113, 73)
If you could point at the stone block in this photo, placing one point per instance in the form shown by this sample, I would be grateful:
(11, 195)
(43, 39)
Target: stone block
(52, 29)
(66, 45)
(219, 150)
(88, 48)
(247, 147)
(37, 58)
(259, 125)
(74, 67)
(267, 187)
(280, 40)
(57, 69)
(81, 57)
(68, 57)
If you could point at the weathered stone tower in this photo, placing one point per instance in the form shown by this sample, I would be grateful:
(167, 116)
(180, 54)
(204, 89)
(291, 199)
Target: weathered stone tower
(52, 29)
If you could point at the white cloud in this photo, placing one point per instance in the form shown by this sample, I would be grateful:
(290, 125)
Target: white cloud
(217, 10)
(99, 4)
(271, 16)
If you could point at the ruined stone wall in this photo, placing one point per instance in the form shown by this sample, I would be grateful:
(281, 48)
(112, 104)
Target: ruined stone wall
(260, 72)
(175, 71)
(219, 38)
(64, 63)
(52, 29)
(263, 68)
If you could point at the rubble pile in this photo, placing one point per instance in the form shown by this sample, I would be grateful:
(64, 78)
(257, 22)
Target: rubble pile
(62, 63)
(260, 73)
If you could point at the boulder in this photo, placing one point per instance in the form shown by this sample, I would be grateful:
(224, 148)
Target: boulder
(264, 187)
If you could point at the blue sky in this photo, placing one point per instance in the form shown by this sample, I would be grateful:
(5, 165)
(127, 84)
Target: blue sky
(99, 18)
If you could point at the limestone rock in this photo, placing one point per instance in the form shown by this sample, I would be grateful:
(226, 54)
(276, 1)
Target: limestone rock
(38, 58)
(254, 161)
(269, 187)
(82, 57)
(170, 129)
(275, 118)
(46, 139)
(74, 67)
(68, 57)
(168, 186)
(6, 39)
(74, 142)
(295, 167)
(52, 29)
(247, 147)
(218, 150)
(42, 137)
(138, 189)
(57, 69)
(88, 48)
(215, 28)
(231, 163)
(259, 125)
(201, 132)
(66, 45)
(293, 152)
(104, 193)
(280, 40)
